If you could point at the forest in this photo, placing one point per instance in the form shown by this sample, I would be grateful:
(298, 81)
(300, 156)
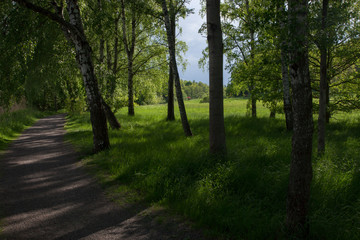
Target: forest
(274, 154)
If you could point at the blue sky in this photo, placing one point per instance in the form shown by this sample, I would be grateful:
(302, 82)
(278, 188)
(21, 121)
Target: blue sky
(196, 43)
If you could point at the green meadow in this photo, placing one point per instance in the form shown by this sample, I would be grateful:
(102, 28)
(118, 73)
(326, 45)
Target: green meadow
(240, 196)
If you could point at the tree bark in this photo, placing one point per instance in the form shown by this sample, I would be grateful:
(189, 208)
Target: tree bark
(300, 168)
(179, 96)
(102, 41)
(286, 89)
(323, 80)
(216, 116)
(285, 70)
(110, 116)
(108, 55)
(83, 52)
(328, 113)
(74, 31)
(129, 49)
(170, 100)
(252, 41)
(272, 114)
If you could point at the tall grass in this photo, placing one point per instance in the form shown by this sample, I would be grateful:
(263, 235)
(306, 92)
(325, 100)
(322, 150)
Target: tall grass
(242, 195)
(11, 124)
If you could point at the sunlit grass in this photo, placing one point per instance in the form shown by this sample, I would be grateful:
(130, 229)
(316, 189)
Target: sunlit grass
(240, 196)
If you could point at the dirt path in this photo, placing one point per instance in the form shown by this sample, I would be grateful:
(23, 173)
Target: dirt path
(46, 194)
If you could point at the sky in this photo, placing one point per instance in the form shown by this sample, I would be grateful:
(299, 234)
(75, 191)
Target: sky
(196, 44)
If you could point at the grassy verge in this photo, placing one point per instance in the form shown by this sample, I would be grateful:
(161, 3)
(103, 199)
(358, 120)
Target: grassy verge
(12, 124)
(241, 196)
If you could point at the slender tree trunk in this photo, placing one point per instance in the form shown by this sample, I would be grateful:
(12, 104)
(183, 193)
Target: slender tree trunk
(214, 37)
(170, 110)
(110, 116)
(101, 50)
(253, 106)
(116, 45)
(300, 168)
(272, 114)
(252, 41)
(83, 52)
(328, 113)
(129, 49)
(102, 41)
(285, 71)
(286, 90)
(131, 111)
(323, 81)
(108, 55)
(173, 63)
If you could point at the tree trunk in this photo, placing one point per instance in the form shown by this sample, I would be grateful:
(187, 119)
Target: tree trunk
(252, 41)
(129, 49)
(253, 106)
(323, 80)
(216, 116)
(83, 52)
(170, 100)
(285, 71)
(328, 113)
(116, 44)
(131, 111)
(74, 31)
(286, 90)
(272, 114)
(110, 116)
(300, 168)
(102, 42)
(101, 50)
(108, 55)
(179, 96)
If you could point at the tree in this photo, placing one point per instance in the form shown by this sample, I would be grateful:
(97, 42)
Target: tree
(241, 31)
(74, 30)
(285, 66)
(214, 37)
(172, 54)
(323, 79)
(129, 43)
(300, 168)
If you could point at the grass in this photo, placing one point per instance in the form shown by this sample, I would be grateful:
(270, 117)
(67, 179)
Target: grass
(240, 196)
(12, 124)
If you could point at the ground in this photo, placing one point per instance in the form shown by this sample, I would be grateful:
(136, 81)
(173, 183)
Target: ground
(47, 194)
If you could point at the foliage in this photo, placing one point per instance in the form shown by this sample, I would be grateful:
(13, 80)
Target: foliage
(194, 90)
(241, 196)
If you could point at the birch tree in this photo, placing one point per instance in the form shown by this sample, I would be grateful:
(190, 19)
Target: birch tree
(301, 154)
(214, 37)
(74, 30)
(172, 54)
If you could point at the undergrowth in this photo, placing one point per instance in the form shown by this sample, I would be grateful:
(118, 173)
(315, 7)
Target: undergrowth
(242, 195)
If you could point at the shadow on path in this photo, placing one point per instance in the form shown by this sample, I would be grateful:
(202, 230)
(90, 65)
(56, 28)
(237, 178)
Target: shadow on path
(45, 194)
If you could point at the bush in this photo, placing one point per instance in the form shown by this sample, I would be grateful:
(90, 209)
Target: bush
(205, 99)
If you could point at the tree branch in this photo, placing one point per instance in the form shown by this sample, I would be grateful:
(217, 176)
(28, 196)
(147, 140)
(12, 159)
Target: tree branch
(51, 16)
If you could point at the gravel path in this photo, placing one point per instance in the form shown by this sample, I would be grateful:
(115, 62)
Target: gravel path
(46, 194)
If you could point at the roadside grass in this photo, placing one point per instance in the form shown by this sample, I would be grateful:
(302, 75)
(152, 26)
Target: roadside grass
(12, 124)
(240, 196)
